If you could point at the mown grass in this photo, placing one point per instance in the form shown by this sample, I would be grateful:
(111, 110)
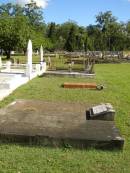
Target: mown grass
(33, 159)
(57, 62)
(22, 58)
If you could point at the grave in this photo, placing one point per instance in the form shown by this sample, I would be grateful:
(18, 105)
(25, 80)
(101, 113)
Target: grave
(68, 74)
(56, 124)
(13, 75)
(82, 85)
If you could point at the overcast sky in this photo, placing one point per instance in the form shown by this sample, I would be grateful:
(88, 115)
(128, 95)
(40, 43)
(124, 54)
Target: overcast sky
(82, 11)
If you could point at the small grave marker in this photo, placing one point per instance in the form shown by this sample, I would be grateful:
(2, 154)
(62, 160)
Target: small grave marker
(101, 112)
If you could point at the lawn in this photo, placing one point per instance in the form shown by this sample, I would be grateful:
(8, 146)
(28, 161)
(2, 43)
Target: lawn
(57, 62)
(34, 159)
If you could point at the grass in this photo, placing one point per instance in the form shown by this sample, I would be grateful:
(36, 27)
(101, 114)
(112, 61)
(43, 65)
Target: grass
(60, 63)
(22, 58)
(33, 159)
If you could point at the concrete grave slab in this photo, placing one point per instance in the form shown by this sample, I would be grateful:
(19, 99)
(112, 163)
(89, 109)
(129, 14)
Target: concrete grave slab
(56, 124)
(68, 74)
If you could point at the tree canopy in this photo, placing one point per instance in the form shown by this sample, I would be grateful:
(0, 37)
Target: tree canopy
(18, 24)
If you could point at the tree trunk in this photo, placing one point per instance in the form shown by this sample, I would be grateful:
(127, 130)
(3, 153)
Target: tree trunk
(8, 54)
(25, 51)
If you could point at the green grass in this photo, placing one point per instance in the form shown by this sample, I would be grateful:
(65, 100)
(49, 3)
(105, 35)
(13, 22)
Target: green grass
(56, 62)
(23, 58)
(32, 159)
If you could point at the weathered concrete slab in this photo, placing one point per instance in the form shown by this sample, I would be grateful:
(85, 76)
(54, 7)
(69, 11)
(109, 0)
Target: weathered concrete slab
(56, 124)
(68, 74)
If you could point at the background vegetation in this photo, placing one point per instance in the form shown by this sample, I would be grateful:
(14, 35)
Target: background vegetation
(18, 24)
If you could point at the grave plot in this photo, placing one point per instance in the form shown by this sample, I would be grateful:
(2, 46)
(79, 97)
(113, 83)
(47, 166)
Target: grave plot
(13, 75)
(56, 124)
(9, 82)
(70, 64)
(93, 86)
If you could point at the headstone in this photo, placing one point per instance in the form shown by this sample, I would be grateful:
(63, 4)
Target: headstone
(12, 53)
(41, 54)
(101, 112)
(15, 62)
(49, 62)
(38, 69)
(29, 59)
(8, 66)
(70, 67)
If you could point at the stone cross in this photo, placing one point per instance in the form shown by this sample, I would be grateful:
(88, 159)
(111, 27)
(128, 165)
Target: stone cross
(29, 59)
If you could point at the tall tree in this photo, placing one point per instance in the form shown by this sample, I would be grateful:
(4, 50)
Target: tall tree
(17, 24)
(70, 44)
(14, 32)
(34, 14)
(51, 32)
(104, 21)
(127, 36)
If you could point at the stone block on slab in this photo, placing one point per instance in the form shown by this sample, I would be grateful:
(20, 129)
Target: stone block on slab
(104, 112)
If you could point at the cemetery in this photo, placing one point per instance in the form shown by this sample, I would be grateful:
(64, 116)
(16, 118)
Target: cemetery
(15, 75)
(77, 133)
(64, 93)
(54, 98)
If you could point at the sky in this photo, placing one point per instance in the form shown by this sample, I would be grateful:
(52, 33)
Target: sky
(81, 11)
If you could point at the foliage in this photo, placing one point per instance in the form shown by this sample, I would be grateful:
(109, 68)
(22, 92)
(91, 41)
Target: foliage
(71, 40)
(14, 32)
(18, 24)
(107, 34)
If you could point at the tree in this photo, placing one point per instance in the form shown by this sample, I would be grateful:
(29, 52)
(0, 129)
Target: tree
(104, 21)
(65, 28)
(51, 32)
(80, 38)
(127, 36)
(34, 14)
(116, 37)
(14, 32)
(70, 44)
(18, 24)
(95, 40)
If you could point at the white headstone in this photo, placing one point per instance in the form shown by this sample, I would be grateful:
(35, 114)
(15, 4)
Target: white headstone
(41, 54)
(29, 59)
(8, 66)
